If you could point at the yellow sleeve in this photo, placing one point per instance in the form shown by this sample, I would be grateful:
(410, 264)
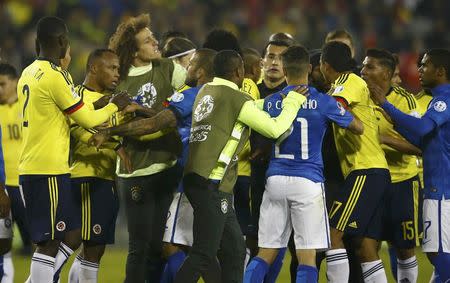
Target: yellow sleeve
(63, 93)
(88, 118)
(350, 92)
(250, 88)
(261, 121)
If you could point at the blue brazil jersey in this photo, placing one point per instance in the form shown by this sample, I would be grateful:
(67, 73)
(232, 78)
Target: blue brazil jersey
(298, 152)
(2, 162)
(181, 104)
(436, 146)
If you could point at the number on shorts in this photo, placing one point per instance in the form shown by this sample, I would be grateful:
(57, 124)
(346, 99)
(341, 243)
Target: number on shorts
(408, 230)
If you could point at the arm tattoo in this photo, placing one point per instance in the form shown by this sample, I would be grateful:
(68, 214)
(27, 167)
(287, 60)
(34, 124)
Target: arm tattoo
(163, 120)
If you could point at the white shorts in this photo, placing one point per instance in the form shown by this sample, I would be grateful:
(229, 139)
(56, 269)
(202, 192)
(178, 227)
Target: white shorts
(180, 221)
(436, 225)
(293, 202)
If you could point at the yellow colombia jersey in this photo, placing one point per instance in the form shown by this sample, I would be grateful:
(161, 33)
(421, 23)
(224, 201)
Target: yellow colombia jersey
(46, 94)
(401, 166)
(364, 151)
(10, 122)
(423, 100)
(249, 87)
(87, 161)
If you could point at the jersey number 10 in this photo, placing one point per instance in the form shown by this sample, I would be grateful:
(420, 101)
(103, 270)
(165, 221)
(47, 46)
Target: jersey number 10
(303, 141)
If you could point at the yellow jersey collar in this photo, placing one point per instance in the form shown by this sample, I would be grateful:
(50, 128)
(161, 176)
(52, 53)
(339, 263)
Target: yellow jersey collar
(137, 71)
(220, 81)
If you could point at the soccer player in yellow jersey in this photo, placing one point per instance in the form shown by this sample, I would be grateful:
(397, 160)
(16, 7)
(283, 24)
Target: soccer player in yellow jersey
(93, 171)
(357, 208)
(47, 98)
(403, 221)
(10, 142)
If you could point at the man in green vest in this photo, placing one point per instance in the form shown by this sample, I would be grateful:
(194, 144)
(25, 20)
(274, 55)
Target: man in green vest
(149, 80)
(220, 121)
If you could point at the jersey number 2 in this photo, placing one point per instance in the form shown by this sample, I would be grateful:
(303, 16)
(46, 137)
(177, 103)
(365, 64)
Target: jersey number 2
(26, 92)
(303, 141)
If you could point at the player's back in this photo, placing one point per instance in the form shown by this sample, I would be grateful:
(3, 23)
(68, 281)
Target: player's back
(358, 151)
(46, 95)
(298, 152)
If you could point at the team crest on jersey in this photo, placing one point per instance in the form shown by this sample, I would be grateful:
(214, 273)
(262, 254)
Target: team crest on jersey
(204, 108)
(341, 108)
(146, 95)
(224, 206)
(177, 97)
(136, 194)
(440, 106)
(338, 89)
(8, 223)
(97, 229)
(61, 226)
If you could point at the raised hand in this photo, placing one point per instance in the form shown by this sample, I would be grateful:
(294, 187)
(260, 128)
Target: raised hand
(376, 93)
(121, 99)
(102, 102)
(98, 139)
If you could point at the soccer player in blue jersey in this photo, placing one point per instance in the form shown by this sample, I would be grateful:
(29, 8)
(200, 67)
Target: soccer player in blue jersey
(432, 134)
(294, 192)
(6, 268)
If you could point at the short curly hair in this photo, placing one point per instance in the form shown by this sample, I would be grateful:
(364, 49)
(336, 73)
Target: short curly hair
(123, 41)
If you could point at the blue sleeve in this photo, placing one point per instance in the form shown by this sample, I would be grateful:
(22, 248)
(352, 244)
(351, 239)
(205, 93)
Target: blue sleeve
(417, 127)
(2, 162)
(181, 104)
(438, 112)
(336, 112)
(415, 140)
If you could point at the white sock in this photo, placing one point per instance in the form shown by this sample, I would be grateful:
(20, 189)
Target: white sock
(338, 269)
(8, 269)
(63, 254)
(407, 269)
(41, 270)
(74, 273)
(373, 272)
(88, 271)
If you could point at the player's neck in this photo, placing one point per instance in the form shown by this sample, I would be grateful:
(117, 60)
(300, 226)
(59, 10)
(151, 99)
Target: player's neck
(92, 84)
(50, 56)
(297, 81)
(273, 83)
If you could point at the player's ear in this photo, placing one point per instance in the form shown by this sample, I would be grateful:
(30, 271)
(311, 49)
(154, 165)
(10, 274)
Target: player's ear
(310, 69)
(440, 72)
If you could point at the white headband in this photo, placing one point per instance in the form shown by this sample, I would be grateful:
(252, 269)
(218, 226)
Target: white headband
(182, 54)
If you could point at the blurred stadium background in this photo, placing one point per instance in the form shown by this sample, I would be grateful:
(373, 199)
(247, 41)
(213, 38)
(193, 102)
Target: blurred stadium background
(406, 27)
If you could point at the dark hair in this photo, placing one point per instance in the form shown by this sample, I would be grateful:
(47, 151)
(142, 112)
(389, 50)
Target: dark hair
(226, 62)
(169, 35)
(8, 70)
(206, 60)
(384, 57)
(295, 60)
(48, 28)
(123, 41)
(314, 57)
(339, 33)
(283, 36)
(339, 56)
(250, 57)
(220, 39)
(177, 46)
(96, 54)
(276, 43)
(440, 58)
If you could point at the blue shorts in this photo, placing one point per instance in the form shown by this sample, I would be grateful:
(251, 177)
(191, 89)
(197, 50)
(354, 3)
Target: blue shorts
(97, 204)
(357, 209)
(403, 214)
(49, 206)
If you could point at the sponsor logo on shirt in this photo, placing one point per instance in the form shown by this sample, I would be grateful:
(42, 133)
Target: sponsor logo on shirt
(204, 108)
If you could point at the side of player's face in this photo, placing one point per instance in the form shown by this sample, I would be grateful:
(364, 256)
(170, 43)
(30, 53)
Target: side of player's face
(192, 71)
(184, 61)
(318, 81)
(108, 71)
(373, 71)
(147, 46)
(272, 66)
(396, 79)
(427, 73)
(7, 88)
(324, 70)
(65, 62)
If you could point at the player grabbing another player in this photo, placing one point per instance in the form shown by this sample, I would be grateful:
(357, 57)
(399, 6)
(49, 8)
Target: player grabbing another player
(47, 96)
(432, 134)
(294, 191)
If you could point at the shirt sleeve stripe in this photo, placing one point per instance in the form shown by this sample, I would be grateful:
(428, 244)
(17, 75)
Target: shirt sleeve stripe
(74, 108)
